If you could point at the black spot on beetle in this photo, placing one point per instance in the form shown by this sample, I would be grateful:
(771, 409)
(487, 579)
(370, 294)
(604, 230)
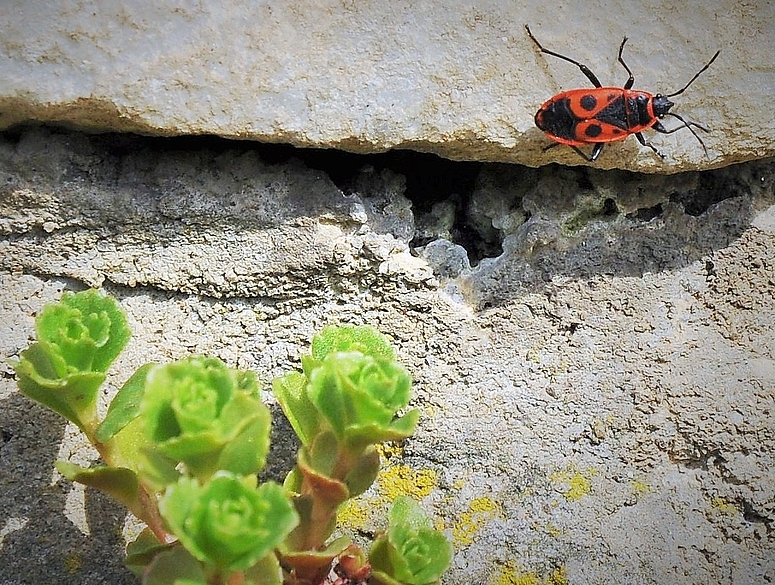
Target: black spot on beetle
(593, 130)
(588, 102)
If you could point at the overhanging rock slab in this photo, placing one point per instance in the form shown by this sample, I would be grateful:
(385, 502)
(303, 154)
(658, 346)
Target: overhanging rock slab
(458, 79)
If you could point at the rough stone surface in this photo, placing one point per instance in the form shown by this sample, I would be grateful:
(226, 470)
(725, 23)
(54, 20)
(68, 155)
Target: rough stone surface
(596, 374)
(460, 79)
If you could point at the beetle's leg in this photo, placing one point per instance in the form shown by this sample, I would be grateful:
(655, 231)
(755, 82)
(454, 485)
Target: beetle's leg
(631, 80)
(584, 69)
(595, 151)
(642, 140)
(592, 157)
(598, 148)
(660, 128)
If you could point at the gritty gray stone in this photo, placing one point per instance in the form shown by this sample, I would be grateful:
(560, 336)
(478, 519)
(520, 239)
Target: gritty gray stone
(387, 210)
(447, 259)
(596, 395)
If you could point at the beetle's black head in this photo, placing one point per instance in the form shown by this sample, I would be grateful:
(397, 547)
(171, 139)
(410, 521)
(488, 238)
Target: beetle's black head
(662, 105)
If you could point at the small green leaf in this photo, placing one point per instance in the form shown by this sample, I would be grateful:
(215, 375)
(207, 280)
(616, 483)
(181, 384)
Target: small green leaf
(156, 469)
(308, 565)
(324, 453)
(351, 384)
(89, 329)
(74, 396)
(291, 392)
(78, 338)
(247, 381)
(266, 572)
(382, 578)
(357, 437)
(407, 514)
(355, 390)
(246, 453)
(326, 488)
(142, 550)
(126, 447)
(382, 567)
(363, 472)
(174, 566)
(245, 422)
(411, 552)
(201, 413)
(293, 480)
(125, 407)
(119, 482)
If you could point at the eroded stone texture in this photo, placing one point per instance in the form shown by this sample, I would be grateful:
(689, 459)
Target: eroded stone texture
(155, 219)
(459, 79)
(597, 394)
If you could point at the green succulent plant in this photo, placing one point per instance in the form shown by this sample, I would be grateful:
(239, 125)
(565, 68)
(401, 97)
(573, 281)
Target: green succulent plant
(411, 552)
(228, 522)
(182, 444)
(200, 413)
(78, 339)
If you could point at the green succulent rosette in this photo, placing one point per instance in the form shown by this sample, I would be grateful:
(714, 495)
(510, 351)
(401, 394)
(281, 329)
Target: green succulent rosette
(228, 522)
(411, 552)
(203, 414)
(78, 338)
(351, 385)
(359, 397)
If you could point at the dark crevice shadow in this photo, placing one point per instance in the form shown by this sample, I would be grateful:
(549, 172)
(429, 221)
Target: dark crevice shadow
(518, 227)
(618, 224)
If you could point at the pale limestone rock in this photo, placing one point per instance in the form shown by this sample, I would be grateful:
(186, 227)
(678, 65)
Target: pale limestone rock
(459, 79)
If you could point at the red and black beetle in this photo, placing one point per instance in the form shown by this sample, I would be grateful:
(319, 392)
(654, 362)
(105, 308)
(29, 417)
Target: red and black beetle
(579, 117)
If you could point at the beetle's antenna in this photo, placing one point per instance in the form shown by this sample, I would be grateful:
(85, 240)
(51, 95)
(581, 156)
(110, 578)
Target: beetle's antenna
(700, 72)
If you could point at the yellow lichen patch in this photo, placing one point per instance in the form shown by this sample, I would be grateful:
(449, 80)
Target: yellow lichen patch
(402, 480)
(580, 486)
(638, 487)
(723, 506)
(552, 530)
(533, 355)
(483, 505)
(579, 483)
(511, 575)
(480, 511)
(354, 514)
(393, 481)
(558, 577)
